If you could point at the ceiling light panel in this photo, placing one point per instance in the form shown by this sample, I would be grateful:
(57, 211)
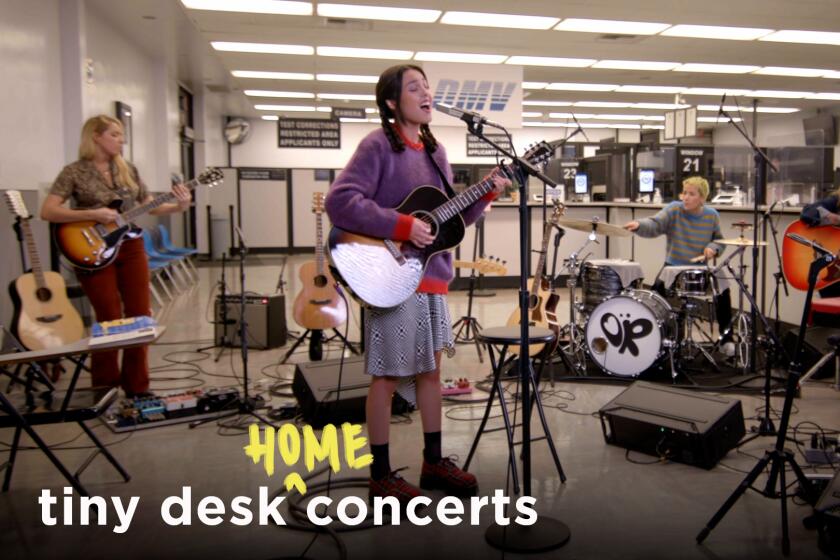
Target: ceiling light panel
(551, 61)
(350, 52)
(798, 36)
(716, 68)
(286, 94)
(778, 93)
(718, 119)
(824, 96)
(252, 6)
(570, 115)
(272, 75)
(714, 91)
(715, 108)
(613, 104)
(353, 11)
(566, 86)
(283, 108)
(539, 103)
(611, 26)
(348, 96)
(650, 89)
(270, 118)
(663, 106)
(268, 48)
(635, 65)
(531, 114)
(468, 58)
(347, 78)
(481, 19)
(787, 71)
(716, 32)
(534, 85)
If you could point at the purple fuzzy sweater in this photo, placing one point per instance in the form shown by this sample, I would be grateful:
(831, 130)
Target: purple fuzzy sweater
(376, 180)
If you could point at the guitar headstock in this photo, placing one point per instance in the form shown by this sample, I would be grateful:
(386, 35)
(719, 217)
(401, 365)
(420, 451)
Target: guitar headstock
(318, 202)
(16, 205)
(539, 153)
(212, 176)
(491, 265)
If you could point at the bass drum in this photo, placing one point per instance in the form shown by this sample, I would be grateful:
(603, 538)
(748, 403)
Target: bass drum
(630, 332)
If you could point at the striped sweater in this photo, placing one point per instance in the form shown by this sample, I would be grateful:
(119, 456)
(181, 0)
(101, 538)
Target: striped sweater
(688, 234)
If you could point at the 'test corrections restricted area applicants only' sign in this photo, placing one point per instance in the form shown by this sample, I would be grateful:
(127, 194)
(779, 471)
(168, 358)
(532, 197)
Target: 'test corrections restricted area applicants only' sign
(309, 133)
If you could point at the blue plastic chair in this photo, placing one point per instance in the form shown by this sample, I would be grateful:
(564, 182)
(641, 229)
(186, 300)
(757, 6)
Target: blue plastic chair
(166, 260)
(167, 245)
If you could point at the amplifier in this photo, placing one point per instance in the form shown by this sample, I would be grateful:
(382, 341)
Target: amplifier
(685, 426)
(265, 316)
(315, 385)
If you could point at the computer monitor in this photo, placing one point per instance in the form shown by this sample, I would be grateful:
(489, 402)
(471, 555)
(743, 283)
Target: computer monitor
(581, 183)
(646, 177)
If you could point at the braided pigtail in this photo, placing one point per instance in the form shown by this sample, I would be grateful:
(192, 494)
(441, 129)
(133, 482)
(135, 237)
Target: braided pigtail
(428, 139)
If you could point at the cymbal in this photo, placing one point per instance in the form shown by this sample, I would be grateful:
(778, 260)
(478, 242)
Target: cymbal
(601, 228)
(742, 225)
(740, 242)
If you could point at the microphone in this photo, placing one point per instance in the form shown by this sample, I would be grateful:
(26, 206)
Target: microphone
(580, 128)
(770, 210)
(469, 117)
(812, 244)
(722, 101)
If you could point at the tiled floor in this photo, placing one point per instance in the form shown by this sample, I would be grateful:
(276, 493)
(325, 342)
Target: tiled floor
(615, 507)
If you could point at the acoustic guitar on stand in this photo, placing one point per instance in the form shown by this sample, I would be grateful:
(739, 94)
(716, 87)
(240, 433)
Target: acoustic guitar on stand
(539, 314)
(318, 306)
(43, 315)
(484, 265)
(93, 246)
(796, 258)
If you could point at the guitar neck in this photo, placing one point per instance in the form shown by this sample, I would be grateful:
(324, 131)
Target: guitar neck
(159, 200)
(539, 272)
(319, 244)
(461, 202)
(32, 252)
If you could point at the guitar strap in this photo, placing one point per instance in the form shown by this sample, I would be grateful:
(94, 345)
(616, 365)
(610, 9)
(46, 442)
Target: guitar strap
(446, 186)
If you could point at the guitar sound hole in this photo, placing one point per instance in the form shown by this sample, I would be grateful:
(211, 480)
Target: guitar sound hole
(320, 281)
(43, 294)
(427, 217)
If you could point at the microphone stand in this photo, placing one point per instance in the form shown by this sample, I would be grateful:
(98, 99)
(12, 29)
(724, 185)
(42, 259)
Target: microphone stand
(547, 533)
(761, 162)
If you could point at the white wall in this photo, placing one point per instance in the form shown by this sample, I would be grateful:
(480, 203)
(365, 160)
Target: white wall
(31, 147)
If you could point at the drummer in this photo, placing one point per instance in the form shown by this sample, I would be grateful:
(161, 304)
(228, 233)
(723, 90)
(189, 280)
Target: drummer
(691, 228)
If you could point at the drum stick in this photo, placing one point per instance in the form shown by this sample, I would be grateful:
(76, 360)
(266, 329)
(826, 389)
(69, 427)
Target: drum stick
(698, 259)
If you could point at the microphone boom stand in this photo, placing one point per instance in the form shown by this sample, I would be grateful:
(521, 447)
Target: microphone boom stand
(547, 533)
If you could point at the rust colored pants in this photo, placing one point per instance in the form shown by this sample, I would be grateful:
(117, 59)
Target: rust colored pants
(121, 290)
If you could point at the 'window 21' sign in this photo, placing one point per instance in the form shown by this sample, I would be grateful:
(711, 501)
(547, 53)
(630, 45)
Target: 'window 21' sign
(475, 95)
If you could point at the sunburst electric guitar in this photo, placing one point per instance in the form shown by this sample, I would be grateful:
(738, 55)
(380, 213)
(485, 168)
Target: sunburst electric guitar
(43, 316)
(796, 258)
(92, 246)
(384, 273)
(318, 305)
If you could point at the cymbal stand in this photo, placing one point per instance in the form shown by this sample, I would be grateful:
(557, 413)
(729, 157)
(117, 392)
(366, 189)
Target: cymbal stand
(574, 350)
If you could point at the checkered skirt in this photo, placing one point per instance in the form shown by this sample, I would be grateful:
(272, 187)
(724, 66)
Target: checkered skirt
(401, 341)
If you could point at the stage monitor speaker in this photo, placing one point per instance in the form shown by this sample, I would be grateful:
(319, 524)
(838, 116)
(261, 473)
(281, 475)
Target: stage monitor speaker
(814, 348)
(315, 385)
(265, 317)
(828, 518)
(684, 426)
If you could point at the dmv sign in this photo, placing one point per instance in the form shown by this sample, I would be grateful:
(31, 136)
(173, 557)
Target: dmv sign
(495, 91)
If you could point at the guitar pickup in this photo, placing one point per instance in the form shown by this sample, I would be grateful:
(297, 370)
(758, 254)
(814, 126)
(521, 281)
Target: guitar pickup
(48, 318)
(319, 301)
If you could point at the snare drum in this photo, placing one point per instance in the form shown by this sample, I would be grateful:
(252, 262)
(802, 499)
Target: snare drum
(695, 282)
(629, 333)
(606, 278)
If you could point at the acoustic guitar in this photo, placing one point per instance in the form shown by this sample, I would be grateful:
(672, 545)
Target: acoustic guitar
(318, 305)
(92, 246)
(43, 315)
(539, 296)
(383, 272)
(484, 265)
(796, 258)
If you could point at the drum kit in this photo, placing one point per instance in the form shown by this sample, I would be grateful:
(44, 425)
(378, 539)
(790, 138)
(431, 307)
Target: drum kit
(626, 330)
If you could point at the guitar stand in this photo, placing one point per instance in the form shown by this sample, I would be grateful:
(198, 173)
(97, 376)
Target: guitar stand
(316, 340)
(467, 327)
